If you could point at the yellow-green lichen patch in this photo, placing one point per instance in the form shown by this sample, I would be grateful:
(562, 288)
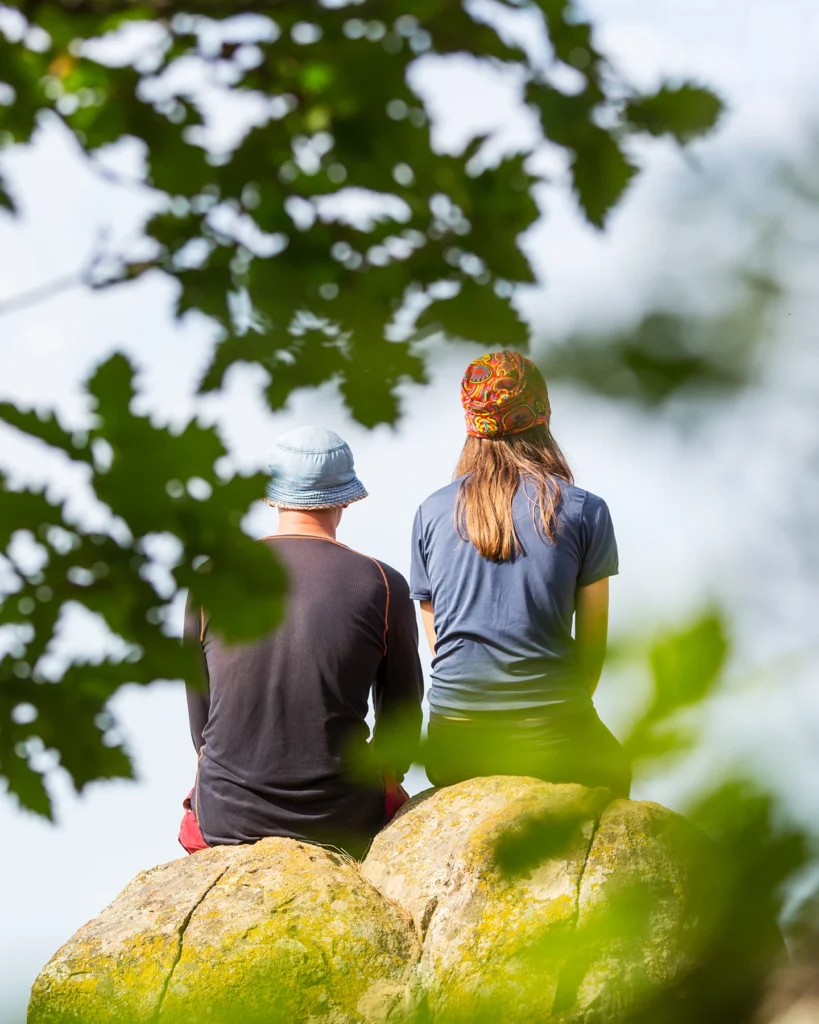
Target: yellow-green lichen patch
(602, 910)
(269, 942)
(115, 967)
(500, 899)
(478, 951)
(642, 907)
(480, 919)
(416, 859)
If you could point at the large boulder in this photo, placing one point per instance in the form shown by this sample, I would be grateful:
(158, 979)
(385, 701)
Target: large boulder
(539, 901)
(496, 899)
(278, 931)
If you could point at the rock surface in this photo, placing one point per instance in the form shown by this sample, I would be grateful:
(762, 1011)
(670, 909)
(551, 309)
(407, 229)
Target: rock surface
(500, 898)
(545, 940)
(116, 966)
(279, 931)
(642, 905)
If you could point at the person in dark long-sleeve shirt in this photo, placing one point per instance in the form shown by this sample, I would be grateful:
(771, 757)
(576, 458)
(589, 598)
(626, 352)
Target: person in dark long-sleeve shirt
(280, 724)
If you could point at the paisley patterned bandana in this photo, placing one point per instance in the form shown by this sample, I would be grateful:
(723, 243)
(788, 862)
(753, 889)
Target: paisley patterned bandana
(503, 393)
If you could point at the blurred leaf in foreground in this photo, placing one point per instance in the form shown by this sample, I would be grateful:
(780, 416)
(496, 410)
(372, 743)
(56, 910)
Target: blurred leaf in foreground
(258, 232)
(685, 667)
(166, 491)
(684, 111)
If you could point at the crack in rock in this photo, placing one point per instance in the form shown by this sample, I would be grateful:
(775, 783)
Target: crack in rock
(572, 973)
(181, 933)
(426, 919)
(582, 874)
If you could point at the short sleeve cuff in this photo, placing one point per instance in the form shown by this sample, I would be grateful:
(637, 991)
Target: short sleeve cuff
(420, 595)
(595, 577)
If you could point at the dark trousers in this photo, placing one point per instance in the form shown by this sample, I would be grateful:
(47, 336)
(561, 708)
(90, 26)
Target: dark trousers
(192, 841)
(572, 747)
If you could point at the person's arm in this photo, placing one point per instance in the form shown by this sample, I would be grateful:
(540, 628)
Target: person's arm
(428, 619)
(198, 697)
(399, 688)
(591, 630)
(599, 560)
(420, 587)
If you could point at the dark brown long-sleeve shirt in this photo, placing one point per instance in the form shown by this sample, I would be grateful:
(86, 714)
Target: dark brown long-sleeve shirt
(283, 719)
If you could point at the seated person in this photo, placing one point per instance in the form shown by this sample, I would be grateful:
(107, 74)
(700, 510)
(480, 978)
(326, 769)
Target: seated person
(504, 560)
(282, 720)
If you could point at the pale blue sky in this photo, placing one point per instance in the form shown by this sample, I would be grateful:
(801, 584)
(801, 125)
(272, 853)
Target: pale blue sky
(701, 503)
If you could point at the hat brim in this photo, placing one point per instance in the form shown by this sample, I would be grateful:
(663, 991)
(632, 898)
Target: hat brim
(282, 496)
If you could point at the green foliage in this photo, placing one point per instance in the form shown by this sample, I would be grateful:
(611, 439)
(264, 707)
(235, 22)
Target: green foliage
(668, 354)
(741, 897)
(542, 835)
(320, 294)
(600, 170)
(156, 483)
(5, 199)
(686, 667)
(474, 314)
(46, 427)
(247, 232)
(684, 112)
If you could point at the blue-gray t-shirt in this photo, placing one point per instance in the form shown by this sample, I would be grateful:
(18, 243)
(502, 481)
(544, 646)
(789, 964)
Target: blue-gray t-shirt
(504, 629)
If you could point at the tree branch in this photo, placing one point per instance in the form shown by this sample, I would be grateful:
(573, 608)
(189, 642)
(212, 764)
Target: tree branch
(208, 8)
(42, 293)
(84, 277)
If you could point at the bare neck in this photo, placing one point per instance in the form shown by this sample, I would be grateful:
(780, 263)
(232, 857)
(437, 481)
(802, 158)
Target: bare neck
(321, 523)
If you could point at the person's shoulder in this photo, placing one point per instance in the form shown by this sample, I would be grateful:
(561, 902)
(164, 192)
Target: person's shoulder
(577, 502)
(381, 570)
(325, 550)
(395, 579)
(440, 502)
(592, 508)
(397, 584)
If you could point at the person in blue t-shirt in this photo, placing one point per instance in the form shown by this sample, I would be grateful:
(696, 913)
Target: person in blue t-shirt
(504, 560)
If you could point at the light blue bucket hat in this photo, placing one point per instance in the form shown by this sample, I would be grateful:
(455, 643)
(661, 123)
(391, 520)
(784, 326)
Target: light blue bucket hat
(313, 468)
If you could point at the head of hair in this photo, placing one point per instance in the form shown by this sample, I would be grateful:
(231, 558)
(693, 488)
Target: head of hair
(493, 468)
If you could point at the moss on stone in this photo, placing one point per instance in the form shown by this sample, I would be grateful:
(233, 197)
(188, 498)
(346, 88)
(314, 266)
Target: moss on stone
(287, 932)
(278, 931)
(557, 941)
(114, 968)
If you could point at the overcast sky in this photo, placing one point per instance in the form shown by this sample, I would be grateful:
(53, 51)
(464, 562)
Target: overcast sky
(701, 508)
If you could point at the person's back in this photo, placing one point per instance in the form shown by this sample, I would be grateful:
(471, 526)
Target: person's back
(504, 629)
(281, 728)
(504, 561)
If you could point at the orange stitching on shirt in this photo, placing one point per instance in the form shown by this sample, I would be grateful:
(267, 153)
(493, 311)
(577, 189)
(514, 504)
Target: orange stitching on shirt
(202, 627)
(312, 536)
(387, 607)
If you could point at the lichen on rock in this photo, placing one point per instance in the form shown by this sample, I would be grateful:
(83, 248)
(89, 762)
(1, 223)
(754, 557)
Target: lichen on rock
(274, 932)
(597, 909)
(497, 899)
(114, 968)
(289, 932)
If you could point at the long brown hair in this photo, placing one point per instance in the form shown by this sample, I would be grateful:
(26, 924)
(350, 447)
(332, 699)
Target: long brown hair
(494, 468)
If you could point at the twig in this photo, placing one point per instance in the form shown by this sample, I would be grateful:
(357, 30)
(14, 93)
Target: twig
(42, 293)
(80, 278)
